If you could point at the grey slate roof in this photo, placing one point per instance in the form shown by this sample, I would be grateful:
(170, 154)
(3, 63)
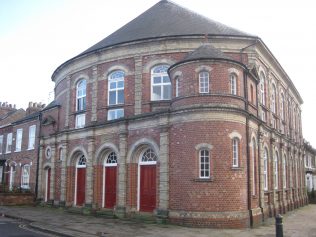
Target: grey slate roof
(206, 52)
(166, 19)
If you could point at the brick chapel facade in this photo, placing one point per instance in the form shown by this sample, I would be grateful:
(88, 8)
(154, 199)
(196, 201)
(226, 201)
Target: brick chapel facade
(184, 119)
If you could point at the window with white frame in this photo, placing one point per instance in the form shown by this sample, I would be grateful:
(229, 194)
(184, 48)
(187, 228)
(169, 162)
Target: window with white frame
(282, 107)
(204, 157)
(284, 172)
(9, 143)
(80, 120)
(265, 169)
(276, 170)
(177, 86)
(263, 115)
(61, 154)
(32, 130)
(235, 146)
(1, 143)
(115, 114)
(81, 95)
(111, 159)
(233, 83)
(116, 88)
(149, 156)
(273, 99)
(253, 154)
(204, 82)
(18, 143)
(262, 89)
(160, 83)
(25, 182)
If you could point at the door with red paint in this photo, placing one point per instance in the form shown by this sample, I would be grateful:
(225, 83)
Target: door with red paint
(48, 173)
(110, 186)
(147, 188)
(81, 186)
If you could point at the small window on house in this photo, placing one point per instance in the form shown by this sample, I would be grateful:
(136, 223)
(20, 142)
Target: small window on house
(61, 154)
(115, 114)
(282, 106)
(204, 82)
(80, 120)
(177, 86)
(31, 144)
(273, 99)
(262, 89)
(265, 169)
(18, 143)
(81, 95)
(149, 157)
(116, 88)
(160, 83)
(252, 100)
(9, 143)
(111, 159)
(25, 182)
(235, 154)
(233, 83)
(1, 143)
(204, 157)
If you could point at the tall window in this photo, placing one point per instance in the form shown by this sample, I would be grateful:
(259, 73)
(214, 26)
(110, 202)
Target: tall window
(1, 143)
(233, 83)
(18, 143)
(160, 83)
(282, 107)
(253, 151)
(177, 86)
(116, 88)
(252, 100)
(262, 89)
(32, 130)
(61, 154)
(235, 144)
(204, 82)
(9, 143)
(273, 99)
(81, 95)
(265, 169)
(25, 182)
(276, 171)
(284, 172)
(204, 164)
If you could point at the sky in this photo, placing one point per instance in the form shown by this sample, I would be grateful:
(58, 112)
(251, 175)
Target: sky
(36, 36)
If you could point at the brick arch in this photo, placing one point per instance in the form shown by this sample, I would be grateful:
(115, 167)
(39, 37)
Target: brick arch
(138, 147)
(147, 67)
(72, 158)
(119, 67)
(78, 78)
(103, 150)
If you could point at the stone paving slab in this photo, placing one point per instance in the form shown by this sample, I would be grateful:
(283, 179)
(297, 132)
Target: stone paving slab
(298, 223)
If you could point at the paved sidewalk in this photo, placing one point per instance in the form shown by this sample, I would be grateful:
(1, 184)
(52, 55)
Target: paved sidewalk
(298, 223)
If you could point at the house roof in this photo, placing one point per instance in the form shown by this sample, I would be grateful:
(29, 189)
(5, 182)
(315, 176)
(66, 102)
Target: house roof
(166, 19)
(206, 52)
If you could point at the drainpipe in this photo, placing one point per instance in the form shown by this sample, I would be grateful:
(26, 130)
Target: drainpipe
(38, 154)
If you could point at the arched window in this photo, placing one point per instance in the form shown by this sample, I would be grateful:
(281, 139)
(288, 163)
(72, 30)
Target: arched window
(252, 99)
(160, 83)
(204, 79)
(233, 83)
(235, 154)
(61, 154)
(276, 171)
(111, 159)
(282, 106)
(81, 95)
(116, 88)
(262, 89)
(273, 99)
(253, 154)
(81, 162)
(284, 172)
(177, 86)
(265, 169)
(149, 156)
(25, 177)
(204, 158)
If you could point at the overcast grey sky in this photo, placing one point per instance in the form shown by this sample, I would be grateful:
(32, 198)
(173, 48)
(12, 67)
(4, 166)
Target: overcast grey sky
(36, 36)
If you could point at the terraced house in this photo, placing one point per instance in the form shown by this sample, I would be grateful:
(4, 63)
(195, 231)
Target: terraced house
(175, 116)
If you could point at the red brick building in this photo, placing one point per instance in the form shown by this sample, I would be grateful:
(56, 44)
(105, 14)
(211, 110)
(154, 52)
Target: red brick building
(177, 116)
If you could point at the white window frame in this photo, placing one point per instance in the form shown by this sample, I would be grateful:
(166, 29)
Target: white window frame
(273, 99)
(204, 82)
(177, 87)
(1, 144)
(253, 167)
(114, 114)
(282, 107)
(116, 79)
(204, 164)
(265, 169)
(9, 143)
(284, 172)
(25, 176)
(80, 120)
(32, 134)
(18, 144)
(276, 170)
(262, 88)
(233, 83)
(160, 71)
(235, 152)
(81, 92)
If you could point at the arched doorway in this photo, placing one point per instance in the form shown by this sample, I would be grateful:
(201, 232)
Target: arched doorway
(47, 184)
(80, 190)
(109, 183)
(147, 181)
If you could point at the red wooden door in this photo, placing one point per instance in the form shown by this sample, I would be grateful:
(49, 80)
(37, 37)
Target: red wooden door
(147, 188)
(48, 184)
(110, 187)
(81, 186)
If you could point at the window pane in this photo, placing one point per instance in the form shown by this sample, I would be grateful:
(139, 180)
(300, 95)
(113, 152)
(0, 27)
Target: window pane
(167, 92)
(120, 97)
(113, 85)
(157, 80)
(120, 84)
(166, 79)
(112, 97)
(156, 92)
(120, 113)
